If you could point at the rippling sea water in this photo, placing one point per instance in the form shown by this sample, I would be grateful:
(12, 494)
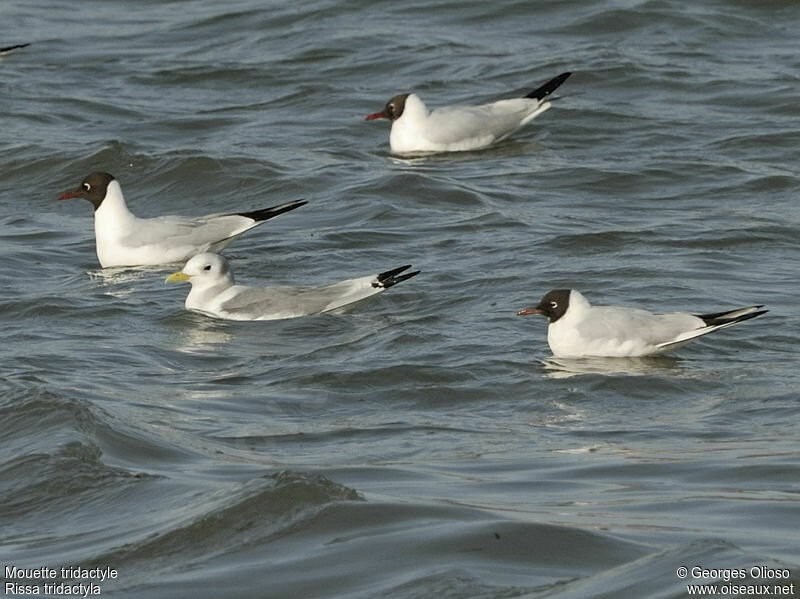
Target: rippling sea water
(425, 444)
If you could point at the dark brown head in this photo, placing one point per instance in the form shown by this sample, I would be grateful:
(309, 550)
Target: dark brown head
(92, 188)
(554, 305)
(393, 110)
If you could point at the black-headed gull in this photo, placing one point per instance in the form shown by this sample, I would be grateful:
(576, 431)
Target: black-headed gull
(578, 329)
(123, 239)
(214, 292)
(459, 128)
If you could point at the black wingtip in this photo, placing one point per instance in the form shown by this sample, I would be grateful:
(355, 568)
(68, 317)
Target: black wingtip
(273, 211)
(540, 93)
(390, 277)
(751, 315)
(11, 48)
(719, 318)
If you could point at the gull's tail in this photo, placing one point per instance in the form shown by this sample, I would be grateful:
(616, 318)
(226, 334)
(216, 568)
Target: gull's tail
(540, 93)
(272, 212)
(719, 319)
(390, 277)
(346, 293)
(714, 322)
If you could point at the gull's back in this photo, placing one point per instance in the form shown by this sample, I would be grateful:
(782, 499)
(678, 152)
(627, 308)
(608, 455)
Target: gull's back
(271, 303)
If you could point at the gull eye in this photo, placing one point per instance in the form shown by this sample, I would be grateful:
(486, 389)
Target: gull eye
(207, 267)
(554, 305)
(87, 187)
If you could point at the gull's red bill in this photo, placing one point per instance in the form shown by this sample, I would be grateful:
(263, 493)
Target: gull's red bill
(68, 195)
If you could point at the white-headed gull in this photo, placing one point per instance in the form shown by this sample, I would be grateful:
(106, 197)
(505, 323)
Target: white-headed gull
(214, 292)
(459, 128)
(578, 329)
(123, 239)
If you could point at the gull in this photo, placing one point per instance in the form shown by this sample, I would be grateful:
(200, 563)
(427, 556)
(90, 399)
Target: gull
(460, 128)
(578, 329)
(123, 239)
(214, 292)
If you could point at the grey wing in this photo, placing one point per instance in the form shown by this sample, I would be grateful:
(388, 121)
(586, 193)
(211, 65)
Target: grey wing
(289, 302)
(453, 124)
(631, 324)
(273, 302)
(187, 231)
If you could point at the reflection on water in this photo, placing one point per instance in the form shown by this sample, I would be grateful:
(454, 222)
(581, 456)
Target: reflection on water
(562, 368)
(201, 335)
(503, 149)
(411, 159)
(128, 276)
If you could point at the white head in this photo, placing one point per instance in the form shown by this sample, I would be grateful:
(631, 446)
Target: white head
(204, 271)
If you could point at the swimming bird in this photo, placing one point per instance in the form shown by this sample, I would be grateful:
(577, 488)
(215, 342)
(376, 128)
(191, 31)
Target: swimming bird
(578, 329)
(214, 292)
(123, 239)
(460, 128)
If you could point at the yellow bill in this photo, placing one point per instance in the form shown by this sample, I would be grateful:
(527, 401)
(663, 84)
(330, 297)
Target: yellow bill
(178, 276)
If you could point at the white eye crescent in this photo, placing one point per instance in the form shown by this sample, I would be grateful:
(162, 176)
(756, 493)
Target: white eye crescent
(554, 304)
(87, 187)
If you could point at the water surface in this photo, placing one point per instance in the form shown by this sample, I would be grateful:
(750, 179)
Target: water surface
(427, 443)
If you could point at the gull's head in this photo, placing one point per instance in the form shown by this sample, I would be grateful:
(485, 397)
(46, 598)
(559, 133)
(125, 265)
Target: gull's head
(553, 305)
(92, 188)
(393, 110)
(205, 269)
